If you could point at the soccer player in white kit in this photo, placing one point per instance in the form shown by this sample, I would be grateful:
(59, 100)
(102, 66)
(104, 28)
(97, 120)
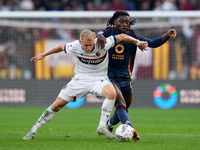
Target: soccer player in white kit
(90, 76)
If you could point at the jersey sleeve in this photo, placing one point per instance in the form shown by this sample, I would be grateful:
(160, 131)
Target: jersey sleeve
(69, 47)
(151, 42)
(110, 42)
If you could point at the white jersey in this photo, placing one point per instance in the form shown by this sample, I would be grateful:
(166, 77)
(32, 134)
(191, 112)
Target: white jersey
(94, 64)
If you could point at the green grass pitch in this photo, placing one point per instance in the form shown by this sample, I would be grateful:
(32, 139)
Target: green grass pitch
(75, 129)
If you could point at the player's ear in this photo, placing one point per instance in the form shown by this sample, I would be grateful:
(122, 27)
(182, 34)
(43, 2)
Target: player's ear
(80, 41)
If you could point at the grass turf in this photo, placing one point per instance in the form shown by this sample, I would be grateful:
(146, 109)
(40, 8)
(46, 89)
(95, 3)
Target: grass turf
(75, 129)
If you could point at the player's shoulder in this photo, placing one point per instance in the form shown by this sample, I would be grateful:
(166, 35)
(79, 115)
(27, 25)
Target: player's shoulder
(131, 31)
(107, 28)
(107, 31)
(76, 43)
(73, 46)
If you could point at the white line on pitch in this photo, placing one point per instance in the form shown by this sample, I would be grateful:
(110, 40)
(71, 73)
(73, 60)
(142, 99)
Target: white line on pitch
(173, 134)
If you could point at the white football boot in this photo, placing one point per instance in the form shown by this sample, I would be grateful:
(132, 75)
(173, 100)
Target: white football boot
(105, 131)
(29, 136)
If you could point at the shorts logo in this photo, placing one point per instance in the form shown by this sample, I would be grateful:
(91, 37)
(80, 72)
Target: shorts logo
(119, 48)
(64, 87)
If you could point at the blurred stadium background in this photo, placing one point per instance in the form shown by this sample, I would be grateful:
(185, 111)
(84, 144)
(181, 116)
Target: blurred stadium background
(165, 77)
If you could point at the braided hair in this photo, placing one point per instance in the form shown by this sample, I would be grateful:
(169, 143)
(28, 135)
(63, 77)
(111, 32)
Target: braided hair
(116, 15)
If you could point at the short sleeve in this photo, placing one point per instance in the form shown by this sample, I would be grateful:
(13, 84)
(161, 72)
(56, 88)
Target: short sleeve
(110, 42)
(68, 48)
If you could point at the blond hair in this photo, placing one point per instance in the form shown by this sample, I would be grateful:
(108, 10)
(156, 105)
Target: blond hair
(88, 35)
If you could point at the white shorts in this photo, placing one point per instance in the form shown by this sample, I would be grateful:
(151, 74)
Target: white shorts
(76, 89)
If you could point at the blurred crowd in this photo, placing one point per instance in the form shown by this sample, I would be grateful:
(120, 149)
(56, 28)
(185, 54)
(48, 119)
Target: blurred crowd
(97, 5)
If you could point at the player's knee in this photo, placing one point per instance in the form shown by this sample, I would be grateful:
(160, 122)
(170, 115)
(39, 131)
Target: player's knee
(109, 92)
(112, 94)
(128, 105)
(55, 107)
(120, 103)
(58, 104)
(121, 106)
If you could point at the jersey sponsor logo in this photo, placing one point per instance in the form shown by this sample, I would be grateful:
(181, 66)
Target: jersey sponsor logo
(92, 61)
(116, 56)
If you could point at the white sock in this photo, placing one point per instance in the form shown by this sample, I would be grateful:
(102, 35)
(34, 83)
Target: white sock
(109, 124)
(44, 118)
(106, 110)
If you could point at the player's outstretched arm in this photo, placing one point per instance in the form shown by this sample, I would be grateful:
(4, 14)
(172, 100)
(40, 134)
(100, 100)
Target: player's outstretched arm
(56, 49)
(123, 37)
(170, 33)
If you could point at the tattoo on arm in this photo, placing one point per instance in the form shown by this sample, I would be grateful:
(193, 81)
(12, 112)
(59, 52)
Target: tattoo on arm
(130, 40)
(125, 38)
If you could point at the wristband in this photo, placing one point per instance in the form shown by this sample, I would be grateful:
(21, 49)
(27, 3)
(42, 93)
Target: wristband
(138, 43)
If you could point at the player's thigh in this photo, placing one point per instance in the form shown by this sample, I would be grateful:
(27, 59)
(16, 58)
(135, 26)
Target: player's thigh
(73, 90)
(128, 100)
(108, 91)
(127, 92)
(103, 88)
(58, 104)
(120, 101)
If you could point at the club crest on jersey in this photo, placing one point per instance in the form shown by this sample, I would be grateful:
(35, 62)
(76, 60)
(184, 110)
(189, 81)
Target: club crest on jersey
(98, 54)
(119, 48)
(95, 61)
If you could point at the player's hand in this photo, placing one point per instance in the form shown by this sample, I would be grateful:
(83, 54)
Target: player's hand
(172, 33)
(38, 57)
(143, 45)
(101, 41)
